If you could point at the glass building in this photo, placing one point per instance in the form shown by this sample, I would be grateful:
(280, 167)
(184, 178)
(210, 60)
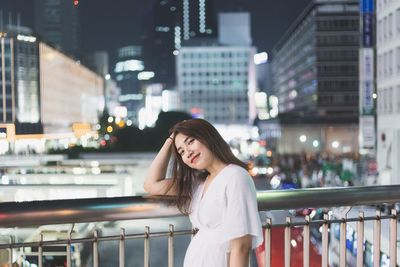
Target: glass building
(19, 81)
(315, 64)
(215, 82)
(58, 23)
(173, 23)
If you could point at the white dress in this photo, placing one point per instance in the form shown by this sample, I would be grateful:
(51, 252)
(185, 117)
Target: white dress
(227, 210)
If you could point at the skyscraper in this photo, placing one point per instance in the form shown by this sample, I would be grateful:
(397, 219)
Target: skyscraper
(127, 67)
(173, 23)
(19, 81)
(57, 22)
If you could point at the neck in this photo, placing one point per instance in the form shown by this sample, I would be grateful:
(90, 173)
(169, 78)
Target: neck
(215, 168)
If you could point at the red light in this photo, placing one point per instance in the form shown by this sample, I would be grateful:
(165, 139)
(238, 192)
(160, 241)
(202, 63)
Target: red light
(76, 2)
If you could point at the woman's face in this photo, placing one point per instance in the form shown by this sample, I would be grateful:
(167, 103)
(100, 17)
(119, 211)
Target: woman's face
(193, 153)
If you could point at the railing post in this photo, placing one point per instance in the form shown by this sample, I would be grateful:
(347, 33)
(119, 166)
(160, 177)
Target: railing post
(287, 241)
(306, 242)
(122, 248)
(147, 247)
(325, 230)
(10, 258)
(360, 240)
(171, 246)
(69, 249)
(95, 250)
(342, 246)
(40, 251)
(377, 239)
(393, 239)
(267, 242)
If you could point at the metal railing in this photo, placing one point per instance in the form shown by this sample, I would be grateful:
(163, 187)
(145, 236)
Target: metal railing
(130, 208)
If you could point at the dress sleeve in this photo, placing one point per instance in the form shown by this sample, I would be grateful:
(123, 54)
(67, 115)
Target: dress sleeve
(241, 214)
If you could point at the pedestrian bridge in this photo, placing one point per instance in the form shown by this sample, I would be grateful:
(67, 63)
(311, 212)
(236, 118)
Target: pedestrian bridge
(342, 209)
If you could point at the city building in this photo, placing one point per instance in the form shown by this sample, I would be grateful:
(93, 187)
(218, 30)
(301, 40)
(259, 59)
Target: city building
(173, 23)
(19, 83)
(215, 82)
(315, 70)
(218, 82)
(315, 64)
(388, 91)
(46, 97)
(71, 97)
(127, 68)
(58, 23)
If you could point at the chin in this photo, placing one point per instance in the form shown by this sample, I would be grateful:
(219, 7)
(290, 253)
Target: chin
(198, 167)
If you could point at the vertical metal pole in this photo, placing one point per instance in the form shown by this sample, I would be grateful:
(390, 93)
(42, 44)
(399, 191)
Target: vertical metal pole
(393, 239)
(267, 241)
(12, 80)
(342, 246)
(40, 251)
(147, 247)
(95, 250)
(171, 246)
(69, 249)
(325, 229)
(360, 240)
(306, 242)
(377, 239)
(10, 258)
(3, 77)
(122, 248)
(287, 241)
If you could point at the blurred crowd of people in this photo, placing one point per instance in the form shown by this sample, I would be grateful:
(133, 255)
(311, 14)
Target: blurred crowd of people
(312, 170)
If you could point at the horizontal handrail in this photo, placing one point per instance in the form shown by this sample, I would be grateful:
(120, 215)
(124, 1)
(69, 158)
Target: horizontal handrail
(328, 197)
(35, 213)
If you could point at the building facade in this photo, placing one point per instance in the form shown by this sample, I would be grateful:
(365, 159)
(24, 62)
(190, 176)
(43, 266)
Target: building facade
(388, 91)
(127, 67)
(19, 82)
(58, 23)
(315, 64)
(71, 95)
(173, 23)
(217, 83)
(44, 95)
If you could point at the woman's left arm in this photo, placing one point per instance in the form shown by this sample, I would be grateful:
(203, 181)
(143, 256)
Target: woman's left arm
(240, 250)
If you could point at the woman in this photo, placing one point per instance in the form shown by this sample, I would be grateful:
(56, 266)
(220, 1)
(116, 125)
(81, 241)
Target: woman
(213, 187)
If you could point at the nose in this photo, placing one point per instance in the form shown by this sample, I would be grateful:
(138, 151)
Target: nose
(189, 154)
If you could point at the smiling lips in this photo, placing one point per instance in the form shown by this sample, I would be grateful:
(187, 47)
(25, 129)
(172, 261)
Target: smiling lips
(194, 158)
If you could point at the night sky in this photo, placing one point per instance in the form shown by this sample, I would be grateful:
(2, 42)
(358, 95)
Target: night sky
(109, 24)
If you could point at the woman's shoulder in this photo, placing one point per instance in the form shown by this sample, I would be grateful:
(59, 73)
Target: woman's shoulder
(236, 172)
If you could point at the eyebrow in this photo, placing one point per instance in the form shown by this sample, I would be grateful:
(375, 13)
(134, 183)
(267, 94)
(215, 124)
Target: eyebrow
(186, 139)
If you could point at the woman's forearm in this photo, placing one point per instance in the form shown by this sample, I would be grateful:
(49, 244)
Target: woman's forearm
(155, 182)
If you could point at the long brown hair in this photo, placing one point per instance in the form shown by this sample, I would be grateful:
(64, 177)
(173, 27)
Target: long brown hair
(186, 178)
